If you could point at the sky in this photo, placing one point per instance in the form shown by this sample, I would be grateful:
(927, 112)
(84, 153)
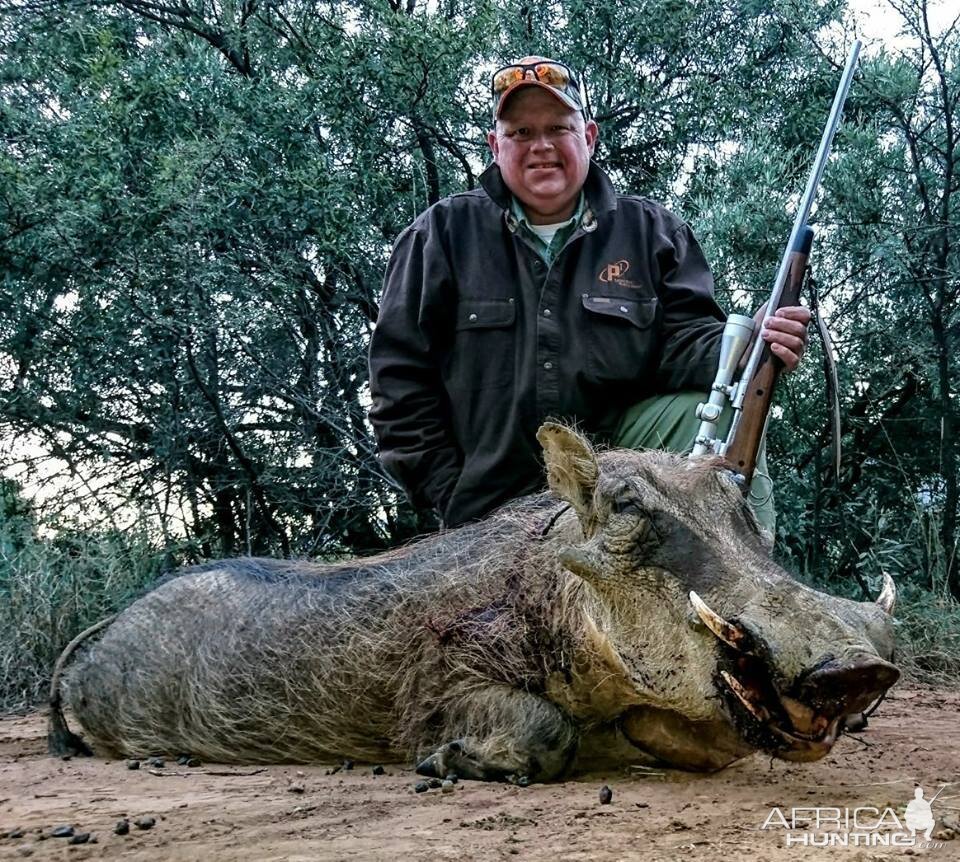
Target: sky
(878, 23)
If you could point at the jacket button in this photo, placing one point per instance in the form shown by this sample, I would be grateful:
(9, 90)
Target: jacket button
(546, 312)
(548, 365)
(474, 317)
(624, 309)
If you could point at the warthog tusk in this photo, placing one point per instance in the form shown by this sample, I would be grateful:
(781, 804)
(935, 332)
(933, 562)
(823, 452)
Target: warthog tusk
(806, 722)
(826, 738)
(888, 595)
(755, 709)
(727, 632)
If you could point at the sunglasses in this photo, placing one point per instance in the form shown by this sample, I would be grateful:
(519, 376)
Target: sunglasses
(550, 72)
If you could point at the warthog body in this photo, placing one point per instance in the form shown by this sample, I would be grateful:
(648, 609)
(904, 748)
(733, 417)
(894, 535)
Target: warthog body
(559, 631)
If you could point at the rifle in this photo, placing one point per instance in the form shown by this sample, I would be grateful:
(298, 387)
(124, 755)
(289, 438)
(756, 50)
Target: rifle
(752, 395)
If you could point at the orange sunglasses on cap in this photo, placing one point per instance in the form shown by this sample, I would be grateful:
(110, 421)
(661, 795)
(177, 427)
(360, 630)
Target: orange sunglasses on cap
(556, 78)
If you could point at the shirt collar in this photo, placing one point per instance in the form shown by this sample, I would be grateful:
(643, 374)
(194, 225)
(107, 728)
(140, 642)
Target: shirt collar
(521, 216)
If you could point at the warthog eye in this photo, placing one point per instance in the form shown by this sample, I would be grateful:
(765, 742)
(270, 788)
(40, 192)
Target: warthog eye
(627, 506)
(632, 531)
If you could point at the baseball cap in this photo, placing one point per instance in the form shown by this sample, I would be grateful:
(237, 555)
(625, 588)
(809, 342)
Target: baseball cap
(555, 77)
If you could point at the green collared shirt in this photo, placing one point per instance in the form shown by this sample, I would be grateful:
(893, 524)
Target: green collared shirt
(547, 252)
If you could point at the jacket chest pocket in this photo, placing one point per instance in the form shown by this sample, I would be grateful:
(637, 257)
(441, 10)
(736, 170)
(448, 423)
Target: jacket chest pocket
(622, 336)
(482, 355)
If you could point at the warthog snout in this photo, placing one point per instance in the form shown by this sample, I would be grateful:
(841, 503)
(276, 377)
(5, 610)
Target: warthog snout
(839, 688)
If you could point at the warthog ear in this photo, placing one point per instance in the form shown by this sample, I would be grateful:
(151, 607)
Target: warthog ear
(572, 468)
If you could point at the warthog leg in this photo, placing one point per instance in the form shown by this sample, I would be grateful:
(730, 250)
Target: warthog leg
(503, 734)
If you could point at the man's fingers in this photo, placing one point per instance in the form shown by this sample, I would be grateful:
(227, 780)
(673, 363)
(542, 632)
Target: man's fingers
(792, 320)
(793, 343)
(786, 333)
(786, 325)
(790, 359)
(785, 341)
(793, 312)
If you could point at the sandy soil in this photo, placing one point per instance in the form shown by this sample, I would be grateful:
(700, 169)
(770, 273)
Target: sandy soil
(229, 813)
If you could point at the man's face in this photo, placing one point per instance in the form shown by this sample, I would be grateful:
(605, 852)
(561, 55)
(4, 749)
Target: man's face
(543, 149)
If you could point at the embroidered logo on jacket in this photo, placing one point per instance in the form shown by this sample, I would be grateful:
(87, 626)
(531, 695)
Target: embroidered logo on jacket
(613, 271)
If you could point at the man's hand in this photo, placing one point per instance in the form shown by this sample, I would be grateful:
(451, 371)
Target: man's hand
(786, 333)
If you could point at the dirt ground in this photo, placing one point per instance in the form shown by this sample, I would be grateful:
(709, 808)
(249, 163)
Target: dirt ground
(303, 813)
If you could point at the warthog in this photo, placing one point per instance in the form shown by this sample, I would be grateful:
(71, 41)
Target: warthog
(633, 614)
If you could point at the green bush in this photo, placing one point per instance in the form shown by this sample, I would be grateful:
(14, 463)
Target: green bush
(928, 637)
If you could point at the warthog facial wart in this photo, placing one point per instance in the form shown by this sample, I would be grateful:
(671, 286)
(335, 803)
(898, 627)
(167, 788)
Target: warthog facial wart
(631, 614)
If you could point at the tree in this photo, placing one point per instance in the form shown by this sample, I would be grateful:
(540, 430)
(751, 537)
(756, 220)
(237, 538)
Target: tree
(199, 200)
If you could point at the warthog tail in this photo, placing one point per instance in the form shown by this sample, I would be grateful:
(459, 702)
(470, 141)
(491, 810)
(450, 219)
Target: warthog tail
(60, 739)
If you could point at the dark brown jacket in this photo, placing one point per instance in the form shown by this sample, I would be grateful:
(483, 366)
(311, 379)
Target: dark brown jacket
(479, 341)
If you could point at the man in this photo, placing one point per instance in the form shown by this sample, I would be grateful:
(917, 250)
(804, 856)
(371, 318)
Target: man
(543, 294)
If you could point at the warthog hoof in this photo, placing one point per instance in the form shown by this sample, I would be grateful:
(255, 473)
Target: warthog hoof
(454, 758)
(855, 723)
(61, 741)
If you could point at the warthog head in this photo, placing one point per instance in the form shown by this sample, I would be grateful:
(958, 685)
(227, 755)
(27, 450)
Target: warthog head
(726, 652)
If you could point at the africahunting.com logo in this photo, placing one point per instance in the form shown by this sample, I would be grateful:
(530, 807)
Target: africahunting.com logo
(863, 826)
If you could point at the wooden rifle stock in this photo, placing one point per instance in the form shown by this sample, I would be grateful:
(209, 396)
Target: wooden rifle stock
(741, 454)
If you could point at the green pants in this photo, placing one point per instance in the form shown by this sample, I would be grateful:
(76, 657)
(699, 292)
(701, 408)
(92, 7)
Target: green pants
(670, 422)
